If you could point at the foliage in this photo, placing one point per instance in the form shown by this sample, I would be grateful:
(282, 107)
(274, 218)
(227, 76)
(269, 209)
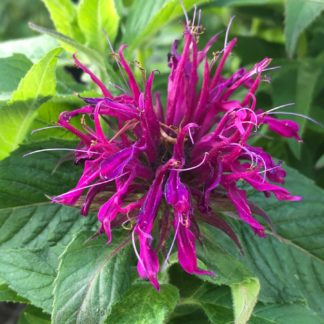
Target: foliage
(51, 257)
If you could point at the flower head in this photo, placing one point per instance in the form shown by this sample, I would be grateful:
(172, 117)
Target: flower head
(164, 166)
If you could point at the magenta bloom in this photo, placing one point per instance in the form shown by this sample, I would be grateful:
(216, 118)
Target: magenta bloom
(160, 171)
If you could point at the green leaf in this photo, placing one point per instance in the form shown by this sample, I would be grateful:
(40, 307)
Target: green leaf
(285, 314)
(64, 16)
(320, 162)
(228, 268)
(40, 225)
(245, 2)
(103, 17)
(33, 315)
(299, 15)
(92, 55)
(16, 118)
(148, 17)
(143, 304)
(30, 273)
(92, 276)
(12, 70)
(8, 295)
(290, 264)
(296, 82)
(24, 181)
(245, 295)
(27, 217)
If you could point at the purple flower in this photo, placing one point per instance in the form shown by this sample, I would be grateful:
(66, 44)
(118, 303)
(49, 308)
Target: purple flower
(162, 168)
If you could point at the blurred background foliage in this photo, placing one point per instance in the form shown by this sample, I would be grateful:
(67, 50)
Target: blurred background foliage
(291, 32)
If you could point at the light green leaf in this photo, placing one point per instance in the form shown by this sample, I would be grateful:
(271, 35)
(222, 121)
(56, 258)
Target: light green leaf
(30, 273)
(245, 295)
(33, 47)
(92, 55)
(245, 2)
(299, 15)
(16, 118)
(64, 16)
(12, 70)
(143, 304)
(92, 276)
(103, 17)
(147, 17)
(320, 163)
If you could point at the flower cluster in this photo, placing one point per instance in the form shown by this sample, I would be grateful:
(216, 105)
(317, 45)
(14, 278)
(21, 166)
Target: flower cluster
(160, 171)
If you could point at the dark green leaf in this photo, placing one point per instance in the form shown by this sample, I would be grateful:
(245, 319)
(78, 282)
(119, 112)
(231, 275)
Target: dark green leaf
(92, 276)
(33, 315)
(299, 15)
(26, 180)
(143, 304)
(30, 273)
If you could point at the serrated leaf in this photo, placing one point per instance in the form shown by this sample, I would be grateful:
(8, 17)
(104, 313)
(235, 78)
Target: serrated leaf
(8, 295)
(92, 277)
(13, 68)
(16, 118)
(244, 296)
(143, 304)
(26, 180)
(30, 273)
(291, 266)
(95, 17)
(299, 15)
(285, 314)
(27, 217)
(147, 17)
(228, 269)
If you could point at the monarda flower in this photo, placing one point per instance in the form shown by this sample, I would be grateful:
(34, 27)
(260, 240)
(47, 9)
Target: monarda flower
(165, 164)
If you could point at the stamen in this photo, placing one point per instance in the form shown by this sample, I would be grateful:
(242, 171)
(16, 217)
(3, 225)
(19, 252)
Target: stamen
(136, 252)
(89, 186)
(59, 149)
(272, 68)
(171, 246)
(185, 13)
(194, 17)
(296, 114)
(194, 167)
(278, 107)
(44, 128)
(190, 136)
(227, 31)
(114, 54)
